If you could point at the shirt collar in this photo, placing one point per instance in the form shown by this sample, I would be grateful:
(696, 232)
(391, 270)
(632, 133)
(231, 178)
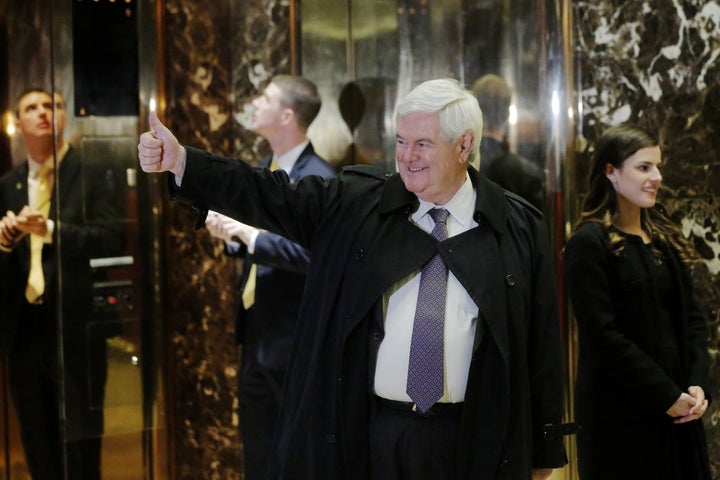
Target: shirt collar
(34, 166)
(461, 206)
(287, 160)
(490, 200)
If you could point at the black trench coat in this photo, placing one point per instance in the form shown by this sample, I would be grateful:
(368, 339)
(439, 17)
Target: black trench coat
(357, 229)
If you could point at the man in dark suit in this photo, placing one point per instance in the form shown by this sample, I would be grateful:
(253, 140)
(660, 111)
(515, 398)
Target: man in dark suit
(353, 407)
(271, 288)
(509, 170)
(65, 214)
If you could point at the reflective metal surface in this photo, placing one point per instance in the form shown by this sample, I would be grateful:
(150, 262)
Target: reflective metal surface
(108, 328)
(381, 50)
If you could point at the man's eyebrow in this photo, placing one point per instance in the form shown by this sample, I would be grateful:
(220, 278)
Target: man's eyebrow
(419, 140)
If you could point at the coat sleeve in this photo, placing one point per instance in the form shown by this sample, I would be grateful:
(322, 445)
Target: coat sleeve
(256, 196)
(545, 360)
(619, 357)
(697, 340)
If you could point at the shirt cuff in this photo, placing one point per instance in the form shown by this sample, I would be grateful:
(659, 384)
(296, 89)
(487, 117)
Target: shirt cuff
(253, 239)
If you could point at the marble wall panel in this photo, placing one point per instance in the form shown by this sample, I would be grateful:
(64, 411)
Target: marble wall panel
(263, 29)
(216, 54)
(655, 63)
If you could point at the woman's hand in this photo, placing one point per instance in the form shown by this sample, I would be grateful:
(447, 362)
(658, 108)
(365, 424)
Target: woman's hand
(689, 406)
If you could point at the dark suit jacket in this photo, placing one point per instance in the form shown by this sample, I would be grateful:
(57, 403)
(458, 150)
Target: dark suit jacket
(362, 242)
(266, 330)
(85, 227)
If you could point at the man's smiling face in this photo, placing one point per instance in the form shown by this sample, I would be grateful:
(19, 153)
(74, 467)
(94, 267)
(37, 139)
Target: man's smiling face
(430, 166)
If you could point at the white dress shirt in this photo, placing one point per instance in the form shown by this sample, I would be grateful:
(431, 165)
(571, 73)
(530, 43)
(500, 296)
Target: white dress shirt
(461, 314)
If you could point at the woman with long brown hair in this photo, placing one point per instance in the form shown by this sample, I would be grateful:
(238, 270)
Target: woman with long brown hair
(643, 359)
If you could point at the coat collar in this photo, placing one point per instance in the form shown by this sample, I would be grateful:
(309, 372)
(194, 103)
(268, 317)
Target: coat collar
(303, 159)
(490, 204)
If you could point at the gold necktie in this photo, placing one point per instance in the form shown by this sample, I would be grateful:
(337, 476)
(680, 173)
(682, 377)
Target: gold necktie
(248, 294)
(41, 202)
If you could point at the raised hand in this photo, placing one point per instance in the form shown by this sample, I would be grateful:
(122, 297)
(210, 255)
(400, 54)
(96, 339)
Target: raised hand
(159, 150)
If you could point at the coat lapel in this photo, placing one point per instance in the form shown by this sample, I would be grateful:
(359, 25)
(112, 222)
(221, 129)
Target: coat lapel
(471, 256)
(70, 167)
(20, 195)
(20, 199)
(388, 246)
(298, 169)
(379, 263)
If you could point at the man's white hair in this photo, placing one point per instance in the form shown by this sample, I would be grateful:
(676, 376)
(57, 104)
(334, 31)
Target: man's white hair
(456, 106)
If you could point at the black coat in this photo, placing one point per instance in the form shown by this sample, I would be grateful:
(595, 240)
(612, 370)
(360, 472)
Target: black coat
(361, 240)
(622, 390)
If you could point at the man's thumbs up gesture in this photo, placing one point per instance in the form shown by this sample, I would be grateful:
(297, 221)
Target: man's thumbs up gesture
(159, 150)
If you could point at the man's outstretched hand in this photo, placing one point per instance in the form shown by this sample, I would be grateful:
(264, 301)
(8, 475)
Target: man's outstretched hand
(159, 150)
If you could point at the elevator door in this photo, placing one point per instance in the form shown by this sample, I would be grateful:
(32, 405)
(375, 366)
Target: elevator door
(99, 348)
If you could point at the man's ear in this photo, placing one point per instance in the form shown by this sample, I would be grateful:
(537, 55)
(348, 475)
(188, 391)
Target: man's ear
(464, 147)
(287, 115)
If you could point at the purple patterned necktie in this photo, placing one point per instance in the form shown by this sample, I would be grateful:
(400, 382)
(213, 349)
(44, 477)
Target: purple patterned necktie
(425, 383)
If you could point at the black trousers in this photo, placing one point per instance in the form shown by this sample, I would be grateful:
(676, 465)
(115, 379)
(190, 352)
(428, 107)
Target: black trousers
(34, 378)
(259, 392)
(405, 445)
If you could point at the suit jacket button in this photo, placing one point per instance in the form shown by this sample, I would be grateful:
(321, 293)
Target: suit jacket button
(504, 466)
(510, 280)
(330, 438)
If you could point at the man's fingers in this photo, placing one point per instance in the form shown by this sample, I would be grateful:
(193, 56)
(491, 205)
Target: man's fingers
(150, 153)
(159, 130)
